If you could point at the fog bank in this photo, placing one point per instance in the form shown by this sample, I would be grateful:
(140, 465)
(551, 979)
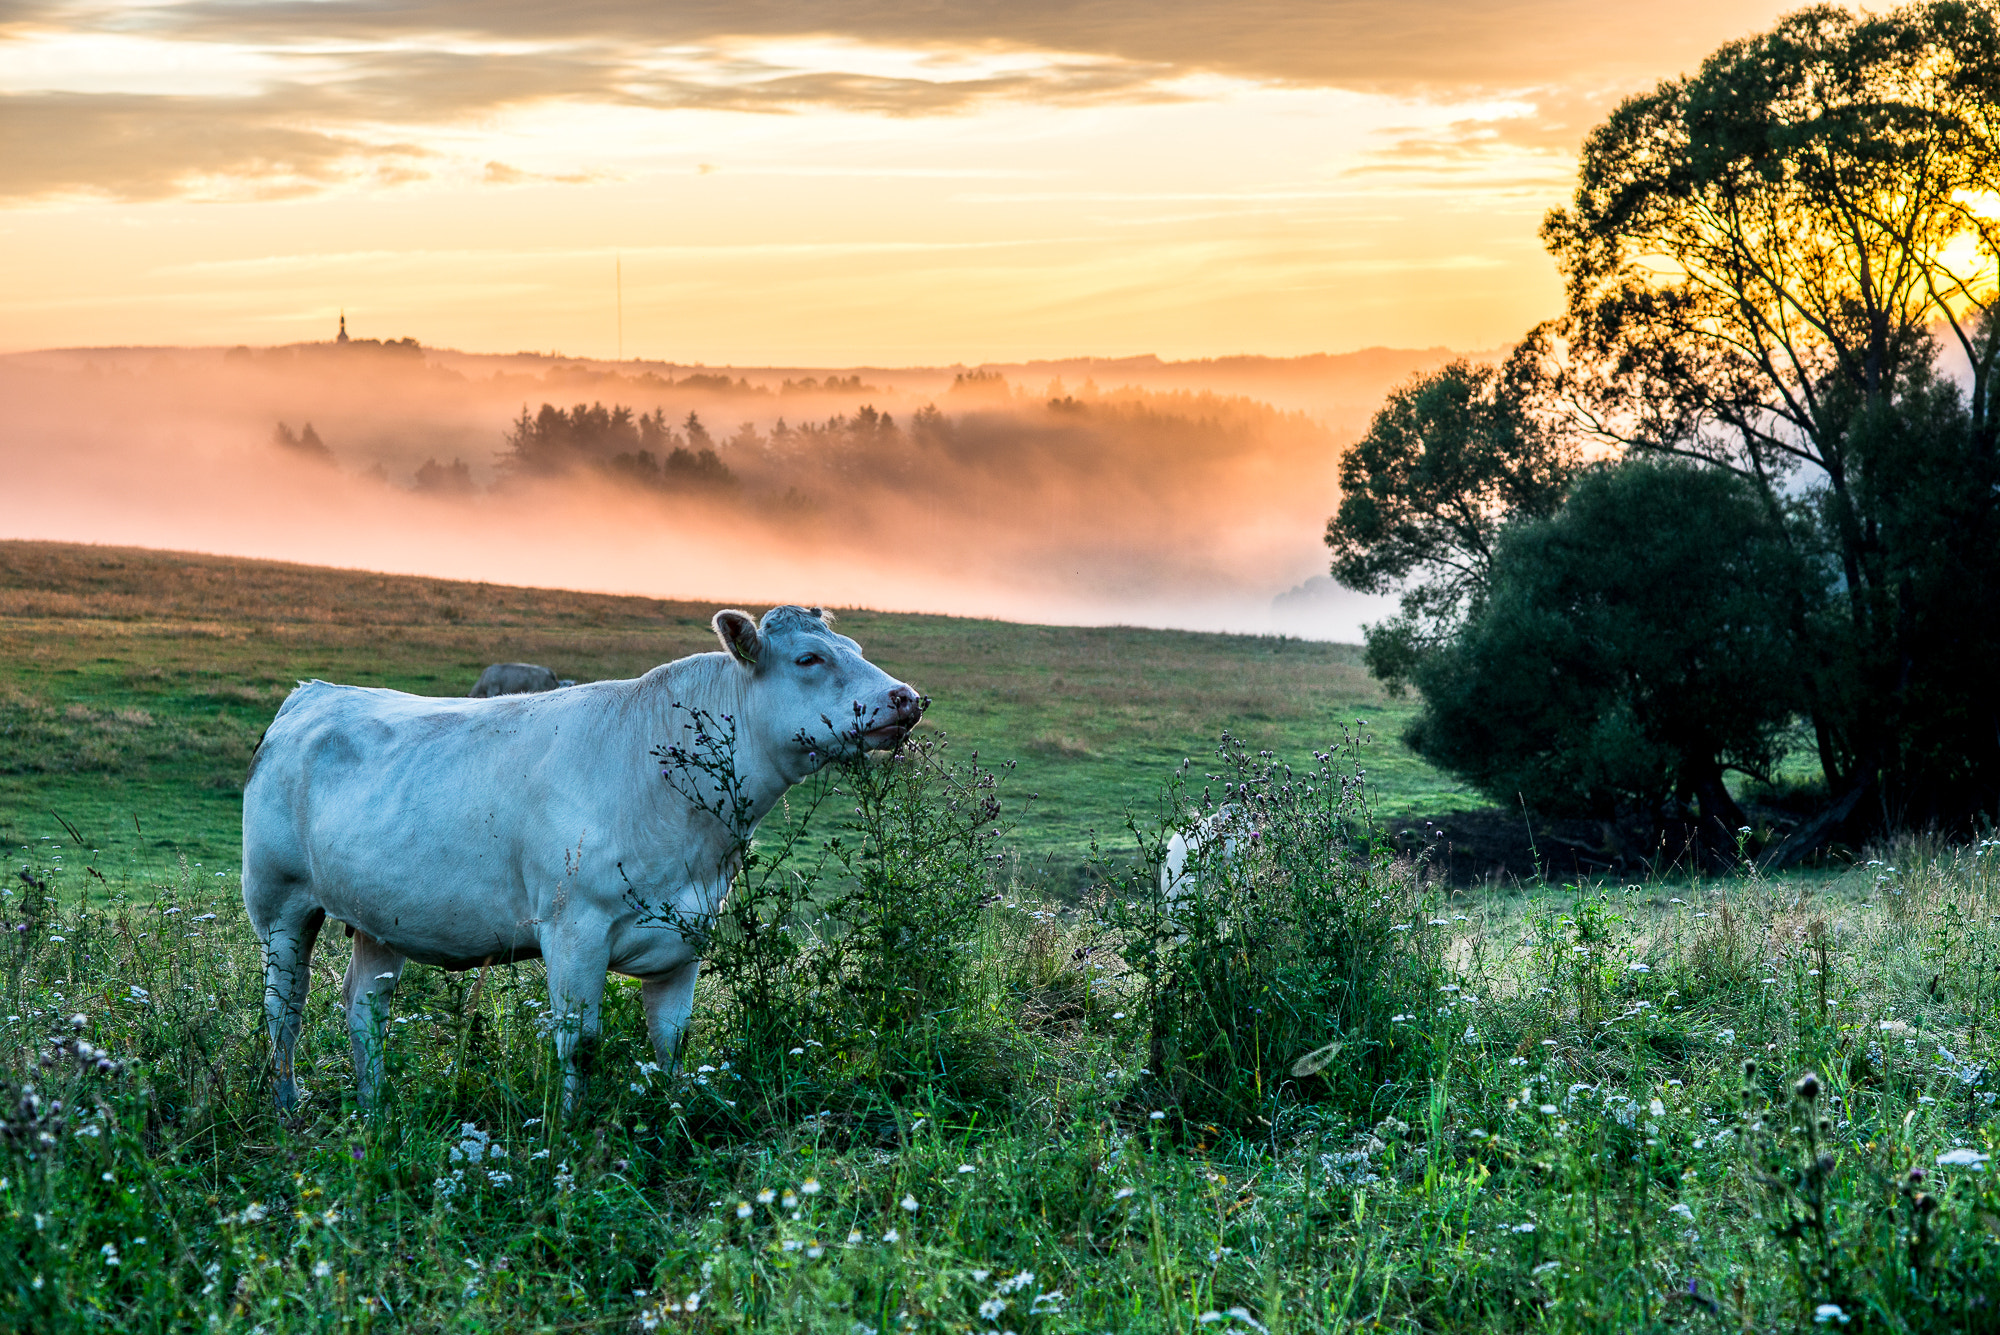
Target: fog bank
(1175, 496)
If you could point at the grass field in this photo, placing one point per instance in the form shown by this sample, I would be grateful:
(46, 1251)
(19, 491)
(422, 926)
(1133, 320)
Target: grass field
(134, 684)
(1554, 1109)
(1319, 1094)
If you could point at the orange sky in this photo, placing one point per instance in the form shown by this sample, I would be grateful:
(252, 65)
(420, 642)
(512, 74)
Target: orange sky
(812, 184)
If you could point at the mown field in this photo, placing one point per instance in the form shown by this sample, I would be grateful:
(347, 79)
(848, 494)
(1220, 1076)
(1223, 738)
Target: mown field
(134, 684)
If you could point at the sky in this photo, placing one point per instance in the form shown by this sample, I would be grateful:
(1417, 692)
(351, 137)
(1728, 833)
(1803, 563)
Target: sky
(841, 183)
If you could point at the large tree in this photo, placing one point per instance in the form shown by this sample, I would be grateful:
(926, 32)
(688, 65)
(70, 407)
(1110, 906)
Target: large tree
(1761, 261)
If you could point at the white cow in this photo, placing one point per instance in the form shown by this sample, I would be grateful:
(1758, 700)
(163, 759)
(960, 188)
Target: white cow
(461, 832)
(1218, 831)
(515, 679)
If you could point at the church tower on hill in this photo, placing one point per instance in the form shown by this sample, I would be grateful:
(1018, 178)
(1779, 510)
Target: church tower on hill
(341, 337)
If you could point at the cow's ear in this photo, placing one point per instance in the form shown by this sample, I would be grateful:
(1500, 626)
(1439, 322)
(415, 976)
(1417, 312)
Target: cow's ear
(738, 633)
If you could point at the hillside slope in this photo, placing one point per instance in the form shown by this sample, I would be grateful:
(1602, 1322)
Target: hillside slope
(134, 683)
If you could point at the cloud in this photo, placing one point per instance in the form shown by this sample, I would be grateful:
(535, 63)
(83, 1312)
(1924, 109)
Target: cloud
(1377, 45)
(326, 127)
(366, 77)
(501, 173)
(1060, 84)
(130, 146)
(18, 14)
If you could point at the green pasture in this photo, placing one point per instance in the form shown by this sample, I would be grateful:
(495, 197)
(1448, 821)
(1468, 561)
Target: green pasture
(134, 685)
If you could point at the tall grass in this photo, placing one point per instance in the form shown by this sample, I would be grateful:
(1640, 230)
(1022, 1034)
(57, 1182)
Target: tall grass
(932, 1105)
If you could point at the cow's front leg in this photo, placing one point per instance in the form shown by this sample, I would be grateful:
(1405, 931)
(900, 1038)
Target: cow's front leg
(669, 1001)
(576, 991)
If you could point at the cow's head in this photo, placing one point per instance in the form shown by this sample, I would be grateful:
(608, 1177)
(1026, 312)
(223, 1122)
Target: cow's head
(812, 695)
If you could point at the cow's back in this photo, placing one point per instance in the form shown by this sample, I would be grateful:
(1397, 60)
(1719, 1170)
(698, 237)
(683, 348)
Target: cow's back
(407, 814)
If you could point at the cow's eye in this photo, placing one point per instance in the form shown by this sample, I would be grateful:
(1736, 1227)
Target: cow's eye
(809, 660)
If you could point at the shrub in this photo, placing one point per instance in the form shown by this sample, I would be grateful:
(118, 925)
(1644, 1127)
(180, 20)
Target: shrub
(842, 951)
(1295, 955)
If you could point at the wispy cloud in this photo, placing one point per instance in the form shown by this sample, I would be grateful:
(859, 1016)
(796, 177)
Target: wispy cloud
(1371, 44)
(134, 146)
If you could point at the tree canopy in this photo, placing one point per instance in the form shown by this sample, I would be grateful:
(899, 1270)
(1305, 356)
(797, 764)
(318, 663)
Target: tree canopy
(1630, 648)
(1450, 458)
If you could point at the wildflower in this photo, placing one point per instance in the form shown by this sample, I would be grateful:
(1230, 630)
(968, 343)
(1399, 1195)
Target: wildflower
(1682, 1209)
(854, 1237)
(892, 1236)
(810, 1186)
(1156, 1116)
(473, 1145)
(1657, 1108)
(1829, 1312)
(1963, 1158)
(110, 1254)
(766, 1196)
(1548, 1110)
(1123, 1192)
(322, 1269)
(992, 1308)
(743, 1209)
(1807, 1087)
(1025, 1279)
(910, 1203)
(1522, 1228)
(789, 1201)
(967, 1168)
(815, 1251)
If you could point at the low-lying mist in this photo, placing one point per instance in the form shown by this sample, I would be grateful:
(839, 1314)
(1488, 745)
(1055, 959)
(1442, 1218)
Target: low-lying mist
(921, 490)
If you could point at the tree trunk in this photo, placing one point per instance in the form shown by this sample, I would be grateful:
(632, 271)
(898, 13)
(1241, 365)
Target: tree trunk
(1795, 846)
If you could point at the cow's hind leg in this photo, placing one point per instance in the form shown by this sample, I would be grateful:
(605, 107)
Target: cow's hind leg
(372, 973)
(669, 1002)
(288, 942)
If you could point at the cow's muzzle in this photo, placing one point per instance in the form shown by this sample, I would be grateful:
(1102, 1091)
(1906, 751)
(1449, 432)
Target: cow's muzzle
(905, 708)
